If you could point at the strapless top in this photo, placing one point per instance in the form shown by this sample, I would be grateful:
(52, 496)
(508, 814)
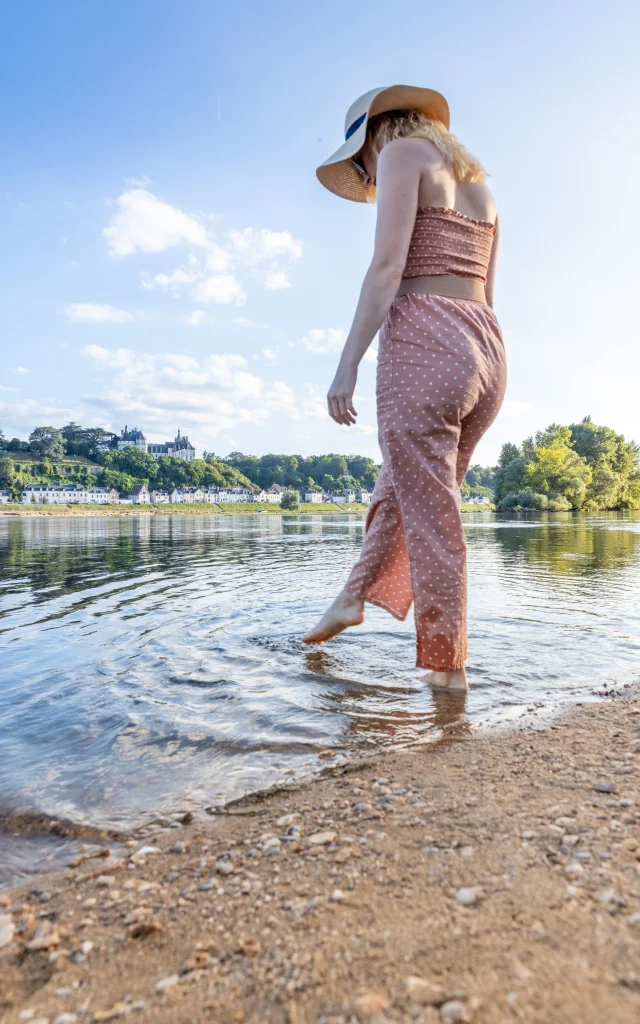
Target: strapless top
(448, 242)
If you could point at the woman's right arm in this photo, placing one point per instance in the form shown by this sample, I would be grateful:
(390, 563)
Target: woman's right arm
(491, 272)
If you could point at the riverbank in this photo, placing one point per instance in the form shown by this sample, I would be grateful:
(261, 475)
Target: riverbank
(231, 508)
(486, 878)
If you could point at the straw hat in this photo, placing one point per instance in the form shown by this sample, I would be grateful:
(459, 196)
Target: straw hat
(338, 174)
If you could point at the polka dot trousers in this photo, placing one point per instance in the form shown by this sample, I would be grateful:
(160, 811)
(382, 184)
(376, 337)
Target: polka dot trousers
(441, 381)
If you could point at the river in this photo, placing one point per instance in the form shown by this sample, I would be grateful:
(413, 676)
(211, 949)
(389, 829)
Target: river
(153, 664)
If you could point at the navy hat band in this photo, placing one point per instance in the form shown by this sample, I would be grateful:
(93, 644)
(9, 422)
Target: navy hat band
(354, 127)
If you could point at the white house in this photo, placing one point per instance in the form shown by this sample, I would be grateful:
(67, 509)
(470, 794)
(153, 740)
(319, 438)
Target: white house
(313, 496)
(139, 495)
(160, 497)
(271, 497)
(364, 497)
(342, 497)
(69, 494)
(191, 495)
(240, 494)
(5, 497)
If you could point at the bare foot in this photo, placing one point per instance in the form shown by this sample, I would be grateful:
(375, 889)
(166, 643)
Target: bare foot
(456, 680)
(344, 612)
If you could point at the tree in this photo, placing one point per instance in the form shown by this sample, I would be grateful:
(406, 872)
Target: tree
(290, 501)
(47, 442)
(16, 445)
(7, 472)
(88, 441)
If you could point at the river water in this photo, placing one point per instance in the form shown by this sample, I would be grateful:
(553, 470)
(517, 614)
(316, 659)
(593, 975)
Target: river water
(152, 663)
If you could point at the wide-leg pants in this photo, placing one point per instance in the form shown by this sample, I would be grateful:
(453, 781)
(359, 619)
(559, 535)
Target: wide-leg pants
(441, 381)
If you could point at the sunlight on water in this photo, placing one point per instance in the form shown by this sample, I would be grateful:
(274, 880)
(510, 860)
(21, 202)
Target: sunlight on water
(151, 664)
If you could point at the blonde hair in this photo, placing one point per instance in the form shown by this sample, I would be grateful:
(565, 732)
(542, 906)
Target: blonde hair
(410, 124)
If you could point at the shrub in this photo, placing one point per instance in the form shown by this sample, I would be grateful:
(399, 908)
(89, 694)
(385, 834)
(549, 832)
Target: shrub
(290, 501)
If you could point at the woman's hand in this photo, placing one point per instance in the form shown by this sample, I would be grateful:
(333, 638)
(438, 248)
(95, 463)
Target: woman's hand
(340, 396)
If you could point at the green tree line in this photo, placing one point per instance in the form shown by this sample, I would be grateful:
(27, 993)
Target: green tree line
(312, 472)
(582, 466)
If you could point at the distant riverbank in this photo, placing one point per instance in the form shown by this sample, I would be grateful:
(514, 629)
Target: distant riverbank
(232, 508)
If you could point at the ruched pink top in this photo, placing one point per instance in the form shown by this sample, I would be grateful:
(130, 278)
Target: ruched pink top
(448, 242)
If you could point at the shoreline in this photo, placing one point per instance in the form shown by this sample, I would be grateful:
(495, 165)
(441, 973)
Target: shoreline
(156, 510)
(482, 878)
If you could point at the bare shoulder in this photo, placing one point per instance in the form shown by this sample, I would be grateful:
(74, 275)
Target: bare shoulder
(416, 151)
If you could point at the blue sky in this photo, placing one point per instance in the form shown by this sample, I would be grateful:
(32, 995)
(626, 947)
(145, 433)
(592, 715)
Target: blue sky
(171, 261)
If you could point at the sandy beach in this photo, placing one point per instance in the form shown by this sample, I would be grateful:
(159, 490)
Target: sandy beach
(490, 878)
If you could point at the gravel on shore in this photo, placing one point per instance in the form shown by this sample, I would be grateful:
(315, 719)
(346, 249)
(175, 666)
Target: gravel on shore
(489, 879)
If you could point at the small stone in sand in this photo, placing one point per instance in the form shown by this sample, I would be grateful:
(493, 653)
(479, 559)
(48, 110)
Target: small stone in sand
(168, 982)
(605, 787)
(46, 937)
(467, 896)
(7, 929)
(371, 1004)
(423, 992)
(322, 838)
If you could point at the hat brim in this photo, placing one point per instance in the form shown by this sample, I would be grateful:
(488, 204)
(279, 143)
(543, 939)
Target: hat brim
(338, 174)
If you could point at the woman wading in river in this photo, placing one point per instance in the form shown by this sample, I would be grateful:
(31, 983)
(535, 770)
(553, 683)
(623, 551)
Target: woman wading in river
(441, 363)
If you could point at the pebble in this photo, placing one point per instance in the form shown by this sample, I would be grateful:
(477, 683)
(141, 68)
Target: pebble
(7, 929)
(338, 896)
(224, 867)
(634, 919)
(453, 1012)
(424, 992)
(570, 840)
(272, 846)
(573, 869)
(322, 838)
(26, 1014)
(65, 1018)
(167, 982)
(605, 787)
(371, 1004)
(467, 851)
(565, 822)
(144, 851)
(286, 819)
(468, 897)
(104, 881)
(46, 937)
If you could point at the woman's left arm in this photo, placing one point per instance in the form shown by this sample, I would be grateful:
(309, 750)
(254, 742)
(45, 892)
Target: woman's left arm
(400, 166)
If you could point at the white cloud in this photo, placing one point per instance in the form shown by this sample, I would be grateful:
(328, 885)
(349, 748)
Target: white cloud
(4, 387)
(19, 418)
(256, 246)
(20, 370)
(221, 289)
(268, 353)
(144, 223)
(325, 341)
(174, 282)
(194, 318)
(276, 280)
(371, 355)
(209, 395)
(88, 312)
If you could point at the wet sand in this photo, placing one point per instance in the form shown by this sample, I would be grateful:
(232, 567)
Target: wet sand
(491, 878)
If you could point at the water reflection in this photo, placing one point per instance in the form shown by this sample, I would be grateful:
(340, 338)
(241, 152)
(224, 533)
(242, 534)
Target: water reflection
(150, 663)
